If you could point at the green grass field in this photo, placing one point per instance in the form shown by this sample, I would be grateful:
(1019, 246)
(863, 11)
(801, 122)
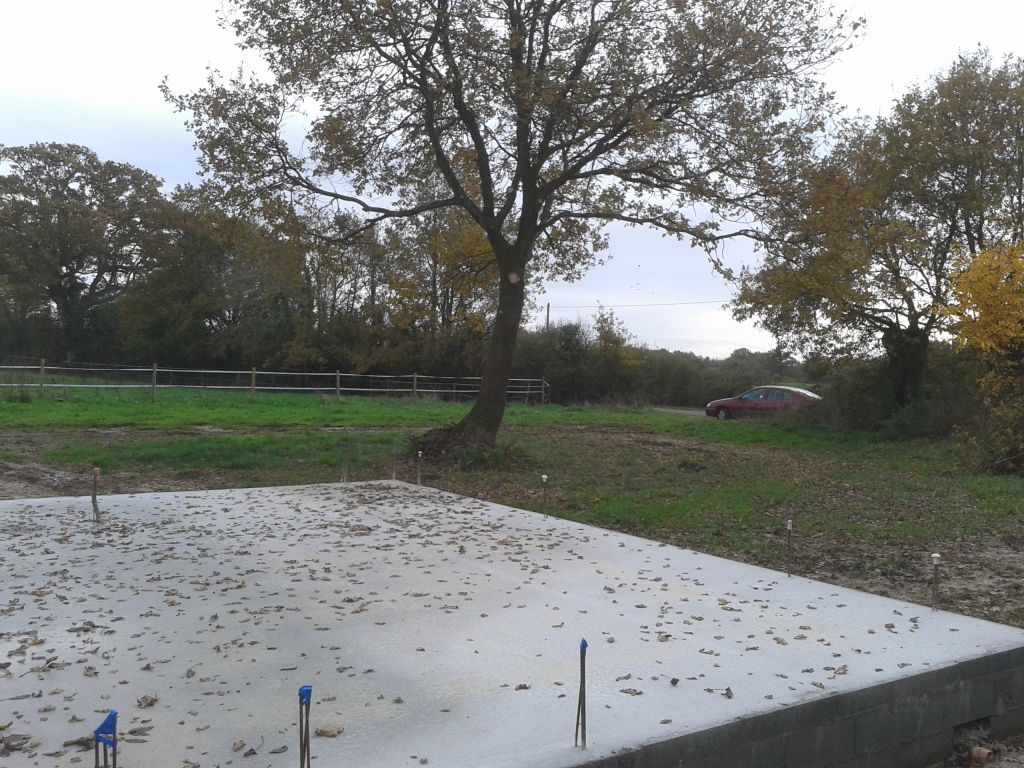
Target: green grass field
(176, 408)
(628, 468)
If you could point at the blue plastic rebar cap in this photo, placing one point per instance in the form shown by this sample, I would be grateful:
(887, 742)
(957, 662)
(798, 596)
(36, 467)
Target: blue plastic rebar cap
(305, 694)
(107, 731)
(583, 645)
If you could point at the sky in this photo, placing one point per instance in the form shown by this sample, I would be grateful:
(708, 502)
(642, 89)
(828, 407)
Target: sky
(89, 73)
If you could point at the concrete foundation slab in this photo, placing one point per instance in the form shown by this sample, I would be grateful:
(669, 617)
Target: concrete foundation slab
(442, 630)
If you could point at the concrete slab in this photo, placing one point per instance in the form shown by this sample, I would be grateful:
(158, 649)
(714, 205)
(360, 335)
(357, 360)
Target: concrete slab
(442, 630)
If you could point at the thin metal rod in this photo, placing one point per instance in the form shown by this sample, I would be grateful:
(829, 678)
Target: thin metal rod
(789, 547)
(305, 700)
(581, 706)
(95, 485)
(309, 755)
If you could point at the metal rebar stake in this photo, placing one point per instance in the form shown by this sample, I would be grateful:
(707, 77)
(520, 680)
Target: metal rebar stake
(935, 580)
(581, 705)
(544, 493)
(789, 547)
(419, 467)
(305, 699)
(95, 486)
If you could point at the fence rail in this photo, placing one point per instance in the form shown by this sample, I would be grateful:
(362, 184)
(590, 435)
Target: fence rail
(86, 376)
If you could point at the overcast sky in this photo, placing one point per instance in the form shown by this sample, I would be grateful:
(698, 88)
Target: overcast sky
(88, 71)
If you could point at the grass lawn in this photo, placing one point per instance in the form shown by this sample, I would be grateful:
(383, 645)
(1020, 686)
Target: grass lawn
(866, 511)
(177, 408)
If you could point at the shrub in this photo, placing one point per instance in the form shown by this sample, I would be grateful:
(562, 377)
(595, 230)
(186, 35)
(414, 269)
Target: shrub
(857, 395)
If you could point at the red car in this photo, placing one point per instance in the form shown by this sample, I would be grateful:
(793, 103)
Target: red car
(761, 401)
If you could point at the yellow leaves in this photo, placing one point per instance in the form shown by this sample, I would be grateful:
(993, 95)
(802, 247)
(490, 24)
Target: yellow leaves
(462, 244)
(988, 302)
(988, 307)
(439, 290)
(466, 165)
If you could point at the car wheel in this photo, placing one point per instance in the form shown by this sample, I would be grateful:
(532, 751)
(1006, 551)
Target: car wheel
(723, 414)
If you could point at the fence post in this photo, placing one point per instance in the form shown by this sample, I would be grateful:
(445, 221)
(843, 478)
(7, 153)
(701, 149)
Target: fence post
(415, 382)
(252, 383)
(337, 384)
(543, 392)
(152, 386)
(42, 374)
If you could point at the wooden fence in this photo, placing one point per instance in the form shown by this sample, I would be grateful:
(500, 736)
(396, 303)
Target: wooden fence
(79, 375)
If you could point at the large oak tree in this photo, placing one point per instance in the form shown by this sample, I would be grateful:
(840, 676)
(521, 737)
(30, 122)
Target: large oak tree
(865, 240)
(545, 119)
(74, 232)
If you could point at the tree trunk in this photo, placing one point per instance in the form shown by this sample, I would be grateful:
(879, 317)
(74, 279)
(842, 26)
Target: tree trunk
(72, 330)
(479, 428)
(907, 352)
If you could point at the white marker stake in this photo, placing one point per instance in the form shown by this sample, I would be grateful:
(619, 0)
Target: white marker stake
(789, 547)
(544, 493)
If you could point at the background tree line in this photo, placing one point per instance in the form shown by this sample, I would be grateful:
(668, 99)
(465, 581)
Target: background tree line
(599, 361)
(97, 264)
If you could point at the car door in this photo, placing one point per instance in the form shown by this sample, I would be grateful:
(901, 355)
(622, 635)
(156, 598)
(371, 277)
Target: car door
(752, 403)
(765, 405)
(777, 401)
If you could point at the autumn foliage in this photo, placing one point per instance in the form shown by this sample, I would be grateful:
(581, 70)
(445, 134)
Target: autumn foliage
(864, 240)
(988, 308)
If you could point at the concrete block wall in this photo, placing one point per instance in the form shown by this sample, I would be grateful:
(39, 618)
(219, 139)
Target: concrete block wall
(906, 723)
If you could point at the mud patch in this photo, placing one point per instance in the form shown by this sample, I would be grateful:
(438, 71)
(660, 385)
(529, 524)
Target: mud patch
(30, 480)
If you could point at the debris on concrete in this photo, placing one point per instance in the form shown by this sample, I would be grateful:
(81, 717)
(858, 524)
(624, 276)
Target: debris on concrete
(414, 612)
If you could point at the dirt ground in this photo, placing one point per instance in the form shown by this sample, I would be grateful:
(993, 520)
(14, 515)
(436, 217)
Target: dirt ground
(981, 578)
